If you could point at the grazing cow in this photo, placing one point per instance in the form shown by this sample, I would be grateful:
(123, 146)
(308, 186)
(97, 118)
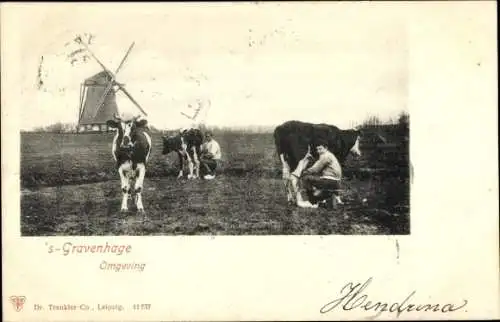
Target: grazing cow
(131, 151)
(296, 140)
(187, 144)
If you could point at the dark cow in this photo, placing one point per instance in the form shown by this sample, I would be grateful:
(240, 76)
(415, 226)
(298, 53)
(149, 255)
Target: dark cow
(295, 140)
(187, 144)
(131, 150)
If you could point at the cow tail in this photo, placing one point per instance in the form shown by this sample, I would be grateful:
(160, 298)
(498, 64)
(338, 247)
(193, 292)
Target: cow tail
(277, 142)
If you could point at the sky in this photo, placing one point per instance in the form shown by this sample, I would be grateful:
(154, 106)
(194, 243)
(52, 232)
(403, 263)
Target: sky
(253, 64)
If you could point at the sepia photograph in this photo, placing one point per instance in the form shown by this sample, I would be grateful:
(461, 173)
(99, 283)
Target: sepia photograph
(285, 126)
(219, 161)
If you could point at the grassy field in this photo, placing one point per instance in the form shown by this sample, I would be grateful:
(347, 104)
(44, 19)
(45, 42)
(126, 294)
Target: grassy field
(71, 187)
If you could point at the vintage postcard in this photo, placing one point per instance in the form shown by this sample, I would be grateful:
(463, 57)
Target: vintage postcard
(249, 161)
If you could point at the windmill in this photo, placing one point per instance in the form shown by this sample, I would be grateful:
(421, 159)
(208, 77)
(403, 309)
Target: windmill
(97, 95)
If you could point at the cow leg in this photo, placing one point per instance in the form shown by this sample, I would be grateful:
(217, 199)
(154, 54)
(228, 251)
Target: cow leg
(289, 192)
(295, 175)
(196, 161)
(300, 201)
(139, 185)
(286, 167)
(125, 182)
(286, 178)
(295, 189)
(294, 179)
(190, 166)
(181, 162)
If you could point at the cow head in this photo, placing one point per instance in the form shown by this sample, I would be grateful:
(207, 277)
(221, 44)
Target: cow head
(127, 130)
(171, 143)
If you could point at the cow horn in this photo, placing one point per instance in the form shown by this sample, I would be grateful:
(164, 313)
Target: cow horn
(116, 116)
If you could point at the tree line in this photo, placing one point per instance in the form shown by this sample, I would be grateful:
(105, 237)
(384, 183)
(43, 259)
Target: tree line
(402, 120)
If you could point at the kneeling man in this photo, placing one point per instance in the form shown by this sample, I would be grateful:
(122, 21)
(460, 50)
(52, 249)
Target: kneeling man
(325, 174)
(210, 156)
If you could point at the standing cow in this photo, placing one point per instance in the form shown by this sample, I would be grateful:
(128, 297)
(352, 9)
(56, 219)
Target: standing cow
(131, 150)
(187, 144)
(296, 140)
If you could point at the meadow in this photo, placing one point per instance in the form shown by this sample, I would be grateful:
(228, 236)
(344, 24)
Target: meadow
(70, 187)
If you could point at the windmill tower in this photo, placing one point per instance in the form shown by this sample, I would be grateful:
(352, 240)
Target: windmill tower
(98, 96)
(90, 119)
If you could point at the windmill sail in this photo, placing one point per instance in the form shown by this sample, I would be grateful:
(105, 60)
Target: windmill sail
(99, 103)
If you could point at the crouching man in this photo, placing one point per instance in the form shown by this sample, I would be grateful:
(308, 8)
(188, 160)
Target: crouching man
(323, 176)
(210, 156)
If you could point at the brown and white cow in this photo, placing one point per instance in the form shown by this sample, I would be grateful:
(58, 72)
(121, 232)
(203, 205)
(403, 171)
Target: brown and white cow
(187, 144)
(295, 142)
(131, 150)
